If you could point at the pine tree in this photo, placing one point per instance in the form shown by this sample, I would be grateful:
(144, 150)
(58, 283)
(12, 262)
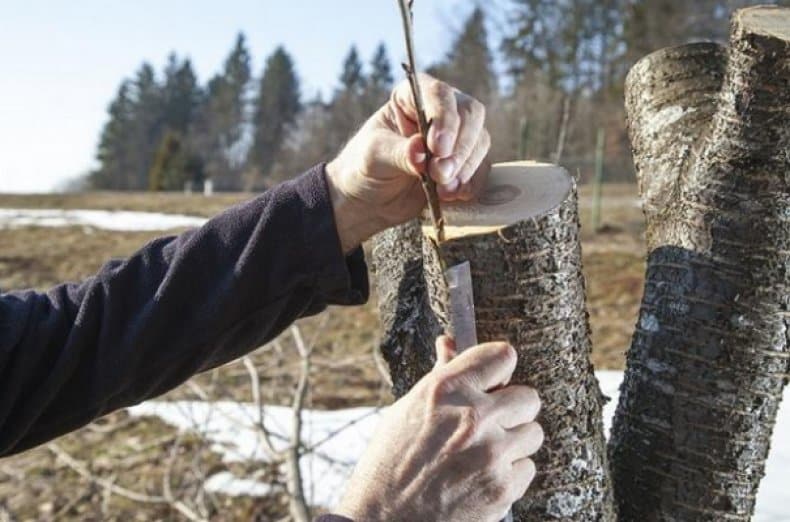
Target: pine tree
(349, 107)
(147, 125)
(352, 78)
(379, 81)
(276, 110)
(181, 95)
(469, 65)
(113, 149)
(222, 118)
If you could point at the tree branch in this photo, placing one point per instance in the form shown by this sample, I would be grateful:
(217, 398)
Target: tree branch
(428, 184)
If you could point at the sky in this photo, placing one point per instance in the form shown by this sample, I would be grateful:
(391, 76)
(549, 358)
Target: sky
(61, 62)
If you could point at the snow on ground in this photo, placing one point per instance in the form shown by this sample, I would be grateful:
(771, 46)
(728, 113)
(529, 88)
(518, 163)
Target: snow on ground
(339, 437)
(104, 219)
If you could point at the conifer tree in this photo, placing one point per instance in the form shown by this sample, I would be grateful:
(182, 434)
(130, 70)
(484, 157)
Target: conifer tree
(222, 118)
(379, 81)
(469, 64)
(276, 109)
(113, 150)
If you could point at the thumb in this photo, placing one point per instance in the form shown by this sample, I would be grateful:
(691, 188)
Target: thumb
(445, 350)
(405, 154)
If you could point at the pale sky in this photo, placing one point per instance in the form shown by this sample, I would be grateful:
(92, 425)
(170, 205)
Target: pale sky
(61, 62)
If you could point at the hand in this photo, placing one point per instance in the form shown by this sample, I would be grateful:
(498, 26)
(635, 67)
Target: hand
(375, 180)
(455, 448)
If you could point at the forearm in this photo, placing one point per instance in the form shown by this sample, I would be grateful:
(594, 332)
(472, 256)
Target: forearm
(179, 306)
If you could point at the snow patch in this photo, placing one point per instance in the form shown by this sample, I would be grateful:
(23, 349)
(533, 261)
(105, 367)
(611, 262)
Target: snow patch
(227, 483)
(121, 220)
(341, 436)
(336, 437)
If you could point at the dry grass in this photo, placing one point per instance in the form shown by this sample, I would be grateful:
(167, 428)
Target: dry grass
(170, 202)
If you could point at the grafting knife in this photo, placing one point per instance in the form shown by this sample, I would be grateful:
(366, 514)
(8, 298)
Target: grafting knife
(462, 314)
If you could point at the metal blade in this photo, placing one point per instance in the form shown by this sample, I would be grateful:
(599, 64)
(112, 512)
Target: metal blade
(462, 306)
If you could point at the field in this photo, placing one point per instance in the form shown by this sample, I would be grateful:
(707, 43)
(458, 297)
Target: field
(88, 475)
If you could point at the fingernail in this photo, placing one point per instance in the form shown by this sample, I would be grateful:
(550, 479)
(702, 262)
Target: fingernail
(446, 169)
(452, 186)
(420, 158)
(444, 144)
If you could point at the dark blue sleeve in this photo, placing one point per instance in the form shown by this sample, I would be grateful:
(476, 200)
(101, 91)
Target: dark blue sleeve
(177, 307)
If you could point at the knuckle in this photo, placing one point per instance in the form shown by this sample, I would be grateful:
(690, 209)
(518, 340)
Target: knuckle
(506, 352)
(477, 109)
(532, 399)
(485, 140)
(530, 473)
(536, 436)
(520, 485)
(440, 89)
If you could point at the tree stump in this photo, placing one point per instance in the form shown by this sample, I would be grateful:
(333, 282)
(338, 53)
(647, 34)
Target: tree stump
(709, 358)
(521, 239)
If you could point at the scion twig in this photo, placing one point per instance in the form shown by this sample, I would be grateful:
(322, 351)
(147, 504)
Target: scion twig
(423, 124)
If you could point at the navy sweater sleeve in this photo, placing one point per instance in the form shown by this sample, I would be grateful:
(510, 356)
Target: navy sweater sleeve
(179, 306)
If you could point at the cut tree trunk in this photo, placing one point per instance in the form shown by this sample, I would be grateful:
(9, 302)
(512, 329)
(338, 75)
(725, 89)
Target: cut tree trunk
(521, 239)
(709, 358)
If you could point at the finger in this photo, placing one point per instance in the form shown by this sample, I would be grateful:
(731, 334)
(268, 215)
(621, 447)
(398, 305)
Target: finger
(471, 190)
(467, 143)
(523, 473)
(445, 350)
(406, 155)
(441, 109)
(406, 123)
(523, 441)
(476, 157)
(460, 187)
(448, 192)
(485, 366)
(515, 405)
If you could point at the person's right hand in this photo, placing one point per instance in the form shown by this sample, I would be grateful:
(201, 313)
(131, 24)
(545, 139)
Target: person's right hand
(455, 448)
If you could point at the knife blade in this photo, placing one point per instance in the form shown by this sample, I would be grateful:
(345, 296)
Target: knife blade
(462, 314)
(462, 306)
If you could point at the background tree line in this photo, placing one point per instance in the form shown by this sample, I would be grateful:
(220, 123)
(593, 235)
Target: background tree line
(552, 78)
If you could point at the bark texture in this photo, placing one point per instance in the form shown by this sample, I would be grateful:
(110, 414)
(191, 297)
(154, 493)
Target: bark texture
(528, 290)
(709, 357)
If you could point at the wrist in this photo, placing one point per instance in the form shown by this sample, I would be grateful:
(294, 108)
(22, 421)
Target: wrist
(355, 220)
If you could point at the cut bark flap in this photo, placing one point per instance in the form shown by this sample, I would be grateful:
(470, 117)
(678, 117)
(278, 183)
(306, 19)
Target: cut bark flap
(521, 239)
(709, 356)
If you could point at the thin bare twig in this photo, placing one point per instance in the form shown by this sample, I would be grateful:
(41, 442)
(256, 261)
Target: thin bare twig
(428, 184)
(299, 510)
(255, 385)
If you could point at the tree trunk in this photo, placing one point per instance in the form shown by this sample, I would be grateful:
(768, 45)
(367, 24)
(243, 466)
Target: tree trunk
(522, 241)
(709, 357)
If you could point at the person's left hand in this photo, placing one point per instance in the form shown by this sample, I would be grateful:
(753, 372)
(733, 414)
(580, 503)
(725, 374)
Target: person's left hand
(375, 180)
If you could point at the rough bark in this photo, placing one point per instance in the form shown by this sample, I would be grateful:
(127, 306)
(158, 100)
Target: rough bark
(529, 291)
(709, 357)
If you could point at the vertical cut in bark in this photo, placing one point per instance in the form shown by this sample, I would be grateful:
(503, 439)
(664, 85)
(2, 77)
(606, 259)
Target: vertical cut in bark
(709, 357)
(521, 239)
